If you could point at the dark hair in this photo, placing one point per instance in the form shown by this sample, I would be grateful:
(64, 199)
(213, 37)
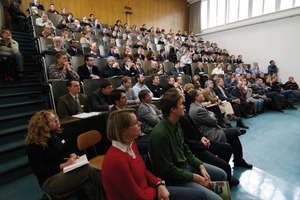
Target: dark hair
(169, 101)
(105, 83)
(137, 76)
(60, 54)
(115, 96)
(69, 82)
(193, 95)
(153, 76)
(161, 50)
(143, 93)
(87, 56)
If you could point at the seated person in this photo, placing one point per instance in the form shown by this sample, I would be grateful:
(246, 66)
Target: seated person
(113, 52)
(140, 54)
(112, 68)
(218, 69)
(240, 69)
(17, 16)
(52, 9)
(154, 69)
(126, 86)
(88, 70)
(86, 38)
(46, 151)
(176, 69)
(44, 20)
(147, 113)
(9, 49)
(58, 44)
(94, 51)
(140, 85)
(206, 123)
(47, 32)
(155, 87)
(128, 68)
(170, 84)
(123, 172)
(291, 84)
(118, 99)
(37, 4)
(244, 102)
(73, 102)
(100, 100)
(126, 52)
(62, 69)
(138, 65)
(161, 57)
(171, 158)
(73, 50)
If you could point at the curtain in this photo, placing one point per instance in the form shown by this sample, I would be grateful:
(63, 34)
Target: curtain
(195, 17)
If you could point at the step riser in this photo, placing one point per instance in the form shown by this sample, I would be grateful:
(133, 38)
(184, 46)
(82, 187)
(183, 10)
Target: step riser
(14, 122)
(11, 99)
(23, 108)
(19, 135)
(11, 155)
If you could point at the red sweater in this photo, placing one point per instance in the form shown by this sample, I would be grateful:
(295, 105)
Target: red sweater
(127, 178)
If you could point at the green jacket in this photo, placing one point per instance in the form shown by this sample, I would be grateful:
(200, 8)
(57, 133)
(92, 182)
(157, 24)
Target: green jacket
(169, 154)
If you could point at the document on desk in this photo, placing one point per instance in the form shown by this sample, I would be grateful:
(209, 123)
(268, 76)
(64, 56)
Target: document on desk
(155, 99)
(82, 160)
(86, 115)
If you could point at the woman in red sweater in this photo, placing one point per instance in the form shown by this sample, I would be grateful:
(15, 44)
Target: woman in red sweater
(124, 174)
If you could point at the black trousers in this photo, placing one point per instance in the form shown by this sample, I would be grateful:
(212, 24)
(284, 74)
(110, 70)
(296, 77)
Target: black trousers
(218, 155)
(232, 135)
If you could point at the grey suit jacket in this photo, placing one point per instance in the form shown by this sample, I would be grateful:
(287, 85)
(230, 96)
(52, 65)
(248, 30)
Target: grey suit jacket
(147, 117)
(67, 106)
(206, 123)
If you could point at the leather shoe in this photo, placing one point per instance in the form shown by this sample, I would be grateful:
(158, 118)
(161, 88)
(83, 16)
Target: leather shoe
(242, 125)
(292, 107)
(243, 163)
(233, 181)
(243, 131)
(248, 116)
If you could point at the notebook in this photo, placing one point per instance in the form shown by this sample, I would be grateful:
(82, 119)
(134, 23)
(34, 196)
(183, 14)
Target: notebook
(82, 160)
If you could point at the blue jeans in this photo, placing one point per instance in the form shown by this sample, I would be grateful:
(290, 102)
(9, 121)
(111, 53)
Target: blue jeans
(289, 95)
(260, 104)
(193, 190)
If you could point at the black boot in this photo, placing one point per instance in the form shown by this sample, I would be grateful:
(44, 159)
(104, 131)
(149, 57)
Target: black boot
(241, 124)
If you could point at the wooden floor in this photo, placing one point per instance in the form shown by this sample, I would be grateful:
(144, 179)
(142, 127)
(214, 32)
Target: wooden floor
(272, 145)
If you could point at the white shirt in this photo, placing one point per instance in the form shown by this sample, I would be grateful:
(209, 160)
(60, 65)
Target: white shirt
(124, 148)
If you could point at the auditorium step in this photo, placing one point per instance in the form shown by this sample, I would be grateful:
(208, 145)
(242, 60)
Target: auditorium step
(18, 102)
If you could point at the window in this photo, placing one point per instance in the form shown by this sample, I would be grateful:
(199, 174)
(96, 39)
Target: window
(257, 6)
(204, 14)
(286, 4)
(220, 12)
(243, 9)
(233, 10)
(269, 6)
(212, 13)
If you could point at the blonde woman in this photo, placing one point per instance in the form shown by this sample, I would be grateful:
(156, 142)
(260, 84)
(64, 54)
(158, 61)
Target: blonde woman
(48, 155)
(124, 173)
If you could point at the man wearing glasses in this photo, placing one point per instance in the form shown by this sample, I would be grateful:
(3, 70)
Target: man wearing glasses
(88, 70)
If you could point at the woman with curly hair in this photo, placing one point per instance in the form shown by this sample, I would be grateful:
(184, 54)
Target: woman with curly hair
(48, 155)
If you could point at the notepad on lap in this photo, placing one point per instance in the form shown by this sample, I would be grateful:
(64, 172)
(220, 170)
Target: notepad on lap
(82, 160)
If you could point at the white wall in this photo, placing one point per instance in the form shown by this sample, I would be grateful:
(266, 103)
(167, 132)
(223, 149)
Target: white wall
(278, 40)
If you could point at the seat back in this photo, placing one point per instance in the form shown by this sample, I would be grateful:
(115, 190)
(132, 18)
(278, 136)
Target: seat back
(77, 61)
(88, 139)
(91, 85)
(58, 89)
(186, 79)
(115, 81)
(47, 60)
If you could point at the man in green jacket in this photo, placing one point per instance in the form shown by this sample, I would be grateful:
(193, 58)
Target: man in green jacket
(171, 158)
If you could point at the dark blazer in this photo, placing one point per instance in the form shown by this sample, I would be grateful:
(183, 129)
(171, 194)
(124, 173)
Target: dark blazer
(175, 71)
(157, 90)
(161, 58)
(125, 72)
(199, 71)
(109, 71)
(222, 97)
(71, 52)
(99, 101)
(84, 73)
(140, 56)
(67, 105)
(236, 92)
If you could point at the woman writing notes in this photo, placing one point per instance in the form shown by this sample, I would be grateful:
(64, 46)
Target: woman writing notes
(48, 155)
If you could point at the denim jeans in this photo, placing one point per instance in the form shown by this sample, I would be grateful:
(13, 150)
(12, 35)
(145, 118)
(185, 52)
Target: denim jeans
(193, 190)
(17, 58)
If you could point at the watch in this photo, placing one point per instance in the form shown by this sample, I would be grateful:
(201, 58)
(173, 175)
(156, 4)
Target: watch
(160, 183)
